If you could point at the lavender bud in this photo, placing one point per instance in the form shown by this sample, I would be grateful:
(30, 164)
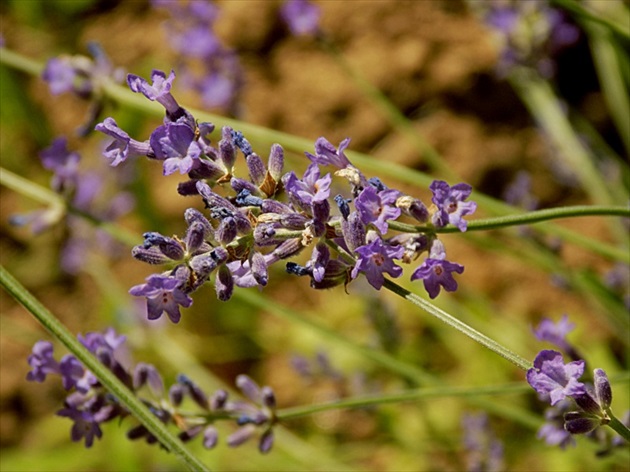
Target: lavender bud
(289, 248)
(239, 185)
(146, 373)
(268, 397)
(224, 284)
(342, 204)
(187, 188)
(227, 151)
(195, 237)
(602, 389)
(203, 265)
(245, 198)
(276, 162)
(274, 206)
(151, 256)
(336, 273)
(413, 207)
(256, 168)
(220, 255)
(241, 143)
(353, 231)
(218, 400)
(195, 216)
(576, 422)
(266, 441)
(226, 232)
(168, 246)
(210, 437)
(296, 269)
(259, 268)
(176, 394)
(264, 234)
(249, 388)
(241, 435)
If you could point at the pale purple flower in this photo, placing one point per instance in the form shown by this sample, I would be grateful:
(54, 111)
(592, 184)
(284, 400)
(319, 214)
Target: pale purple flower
(175, 144)
(436, 271)
(377, 208)
(63, 162)
(310, 189)
(301, 16)
(159, 90)
(123, 146)
(60, 75)
(326, 154)
(552, 431)
(555, 333)
(550, 376)
(376, 258)
(451, 207)
(163, 294)
(86, 425)
(42, 362)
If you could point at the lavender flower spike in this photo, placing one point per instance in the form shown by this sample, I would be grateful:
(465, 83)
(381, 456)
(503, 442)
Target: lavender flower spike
(550, 376)
(159, 91)
(163, 294)
(450, 204)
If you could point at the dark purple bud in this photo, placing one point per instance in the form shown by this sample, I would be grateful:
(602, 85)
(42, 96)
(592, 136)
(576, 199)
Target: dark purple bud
(220, 255)
(296, 269)
(137, 432)
(195, 237)
(321, 211)
(266, 441)
(274, 206)
(218, 400)
(245, 198)
(602, 389)
(241, 143)
(146, 373)
(190, 433)
(342, 204)
(353, 231)
(224, 284)
(176, 394)
(268, 398)
(227, 231)
(576, 422)
(276, 162)
(336, 273)
(168, 246)
(202, 265)
(194, 391)
(238, 185)
(256, 168)
(187, 188)
(413, 207)
(377, 184)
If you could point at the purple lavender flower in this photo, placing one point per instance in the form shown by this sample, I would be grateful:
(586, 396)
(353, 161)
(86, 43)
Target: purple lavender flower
(159, 90)
(550, 376)
(450, 204)
(163, 294)
(175, 144)
(375, 258)
(42, 362)
(60, 75)
(86, 425)
(553, 431)
(301, 16)
(483, 450)
(63, 162)
(436, 271)
(310, 189)
(377, 207)
(326, 154)
(74, 375)
(123, 146)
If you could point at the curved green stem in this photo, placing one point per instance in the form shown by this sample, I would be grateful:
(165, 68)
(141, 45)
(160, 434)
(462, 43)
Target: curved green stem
(618, 426)
(458, 325)
(105, 376)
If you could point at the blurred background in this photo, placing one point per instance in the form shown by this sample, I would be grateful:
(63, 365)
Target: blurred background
(444, 69)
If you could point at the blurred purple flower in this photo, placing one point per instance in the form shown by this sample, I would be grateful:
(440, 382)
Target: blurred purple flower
(301, 16)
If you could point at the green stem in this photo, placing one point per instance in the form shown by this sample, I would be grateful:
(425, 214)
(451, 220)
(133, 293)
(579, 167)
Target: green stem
(458, 325)
(406, 396)
(618, 426)
(105, 376)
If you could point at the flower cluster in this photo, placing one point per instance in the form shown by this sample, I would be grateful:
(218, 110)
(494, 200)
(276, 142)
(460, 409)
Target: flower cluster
(576, 407)
(530, 32)
(89, 405)
(246, 232)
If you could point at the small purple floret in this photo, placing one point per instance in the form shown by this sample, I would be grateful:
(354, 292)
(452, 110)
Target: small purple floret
(451, 207)
(163, 295)
(550, 376)
(376, 258)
